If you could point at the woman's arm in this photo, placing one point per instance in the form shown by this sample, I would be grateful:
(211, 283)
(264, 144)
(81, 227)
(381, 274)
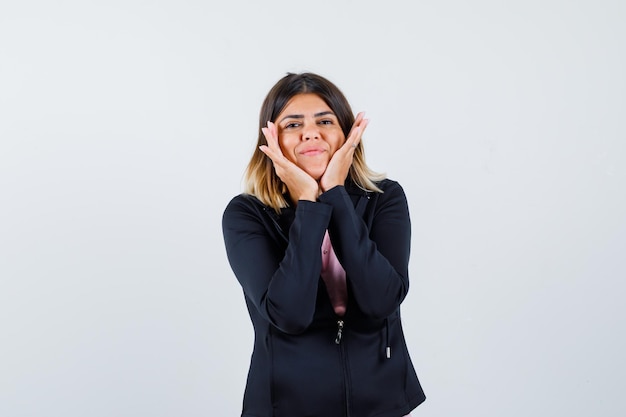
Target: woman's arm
(376, 261)
(282, 286)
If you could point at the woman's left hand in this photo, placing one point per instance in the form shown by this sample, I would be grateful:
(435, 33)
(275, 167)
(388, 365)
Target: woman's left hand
(340, 163)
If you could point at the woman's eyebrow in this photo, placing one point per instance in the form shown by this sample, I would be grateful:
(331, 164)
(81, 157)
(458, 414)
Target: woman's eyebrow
(301, 116)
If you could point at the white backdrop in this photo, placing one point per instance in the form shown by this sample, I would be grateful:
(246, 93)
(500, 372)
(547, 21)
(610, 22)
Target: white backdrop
(125, 127)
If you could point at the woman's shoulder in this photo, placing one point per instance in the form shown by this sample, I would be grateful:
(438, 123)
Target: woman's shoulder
(392, 192)
(385, 185)
(245, 198)
(244, 203)
(388, 184)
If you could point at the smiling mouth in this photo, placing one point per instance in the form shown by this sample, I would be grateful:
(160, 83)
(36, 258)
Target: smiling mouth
(312, 152)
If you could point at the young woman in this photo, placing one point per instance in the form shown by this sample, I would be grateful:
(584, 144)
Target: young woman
(320, 245)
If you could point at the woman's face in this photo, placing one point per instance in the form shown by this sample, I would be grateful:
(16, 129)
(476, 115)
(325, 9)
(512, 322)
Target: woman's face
(309, 133)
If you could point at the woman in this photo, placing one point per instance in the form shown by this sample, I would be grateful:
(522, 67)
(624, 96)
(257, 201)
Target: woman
(320, 245)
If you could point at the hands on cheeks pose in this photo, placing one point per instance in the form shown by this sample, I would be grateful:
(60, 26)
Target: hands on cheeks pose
(308, 147)
(320, 245)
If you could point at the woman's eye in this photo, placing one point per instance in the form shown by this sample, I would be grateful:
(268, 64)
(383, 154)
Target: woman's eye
(291, 125)
(326, 122)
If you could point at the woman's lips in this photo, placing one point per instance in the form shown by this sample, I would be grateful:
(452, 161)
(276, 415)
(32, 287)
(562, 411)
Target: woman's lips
(312, 152)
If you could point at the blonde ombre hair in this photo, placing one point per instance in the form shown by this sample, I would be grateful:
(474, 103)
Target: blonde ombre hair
(260, 179)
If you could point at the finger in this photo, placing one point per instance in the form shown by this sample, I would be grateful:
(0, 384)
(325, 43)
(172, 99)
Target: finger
(362, 126)
(269, 137)
(358, 120)
(272, 138)
(272, 149)
(274, 154)
(269, 152)
(355, 136)
(273, 129)
(272, 132)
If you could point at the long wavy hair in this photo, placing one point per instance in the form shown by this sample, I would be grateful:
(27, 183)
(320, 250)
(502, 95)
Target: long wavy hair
(260, 179)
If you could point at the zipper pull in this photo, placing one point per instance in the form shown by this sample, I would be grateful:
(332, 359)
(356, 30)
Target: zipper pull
(339, 331)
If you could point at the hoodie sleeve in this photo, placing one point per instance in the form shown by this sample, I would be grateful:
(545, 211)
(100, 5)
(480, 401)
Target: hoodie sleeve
(376, 260)
(281, 284)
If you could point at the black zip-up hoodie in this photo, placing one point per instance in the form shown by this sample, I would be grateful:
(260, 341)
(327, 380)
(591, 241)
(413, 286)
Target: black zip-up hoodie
(307, 361)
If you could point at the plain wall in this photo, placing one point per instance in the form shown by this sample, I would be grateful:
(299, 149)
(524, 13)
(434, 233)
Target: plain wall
(125, 127)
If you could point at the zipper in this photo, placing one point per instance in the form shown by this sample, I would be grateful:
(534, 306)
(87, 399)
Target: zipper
(339, 331)
(344, 367)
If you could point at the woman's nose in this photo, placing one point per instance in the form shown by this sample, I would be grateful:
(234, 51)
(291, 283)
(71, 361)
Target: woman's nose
(310, 132)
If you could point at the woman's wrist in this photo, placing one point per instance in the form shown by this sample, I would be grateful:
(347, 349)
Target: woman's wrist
(330, 187)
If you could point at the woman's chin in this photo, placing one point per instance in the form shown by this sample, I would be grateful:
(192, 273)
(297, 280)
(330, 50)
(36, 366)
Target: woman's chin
(316, 173)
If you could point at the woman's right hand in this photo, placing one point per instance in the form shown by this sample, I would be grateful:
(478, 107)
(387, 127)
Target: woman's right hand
(300, 184)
